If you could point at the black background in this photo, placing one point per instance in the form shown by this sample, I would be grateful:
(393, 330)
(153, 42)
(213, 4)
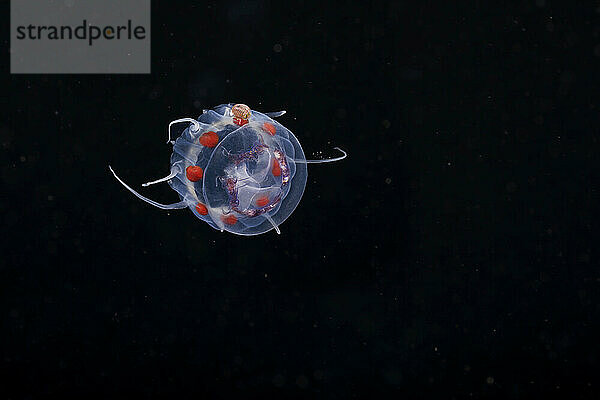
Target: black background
(449, 256)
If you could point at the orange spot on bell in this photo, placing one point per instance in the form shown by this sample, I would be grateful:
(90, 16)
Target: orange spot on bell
(209, 139)
(241, 113)
(194, 173)
(270, 128)
(229, 219)
(276, 170)
(262, 201)
(201, 208)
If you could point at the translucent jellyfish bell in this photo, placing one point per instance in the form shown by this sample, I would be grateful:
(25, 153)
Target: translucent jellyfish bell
(237, 169)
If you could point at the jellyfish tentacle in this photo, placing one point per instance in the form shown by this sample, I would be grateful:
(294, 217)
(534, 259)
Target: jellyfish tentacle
(175, 169)
(268, 217)
(194, 129)
(275, 114)
(181, 204)
(325, 160)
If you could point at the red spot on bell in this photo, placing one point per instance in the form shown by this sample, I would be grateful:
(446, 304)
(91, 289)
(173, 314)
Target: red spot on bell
(229, 219)
(276, 170)
(240, 121)
(201, 208)
(194, 173)
(270, 128)
(209, 139)
(262, 201)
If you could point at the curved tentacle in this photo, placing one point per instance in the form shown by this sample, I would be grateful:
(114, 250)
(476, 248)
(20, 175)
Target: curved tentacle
(268, 217)
(175, 169)
(181, 204)
(325, 160)
(275, 114)
(195, 128)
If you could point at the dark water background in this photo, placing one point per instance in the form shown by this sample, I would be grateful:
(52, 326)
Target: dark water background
(450, 256)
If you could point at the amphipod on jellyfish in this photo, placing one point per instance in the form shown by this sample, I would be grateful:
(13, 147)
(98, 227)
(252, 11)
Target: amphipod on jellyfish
(237, 169)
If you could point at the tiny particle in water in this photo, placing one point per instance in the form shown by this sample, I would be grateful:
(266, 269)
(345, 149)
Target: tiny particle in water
(279, 380)
(302, 381)
(511, 187)
(277, 48)
(490, 380)
(388, 180)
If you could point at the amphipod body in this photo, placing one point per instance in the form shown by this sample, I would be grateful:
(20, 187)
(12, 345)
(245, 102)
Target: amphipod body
(236, 169)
